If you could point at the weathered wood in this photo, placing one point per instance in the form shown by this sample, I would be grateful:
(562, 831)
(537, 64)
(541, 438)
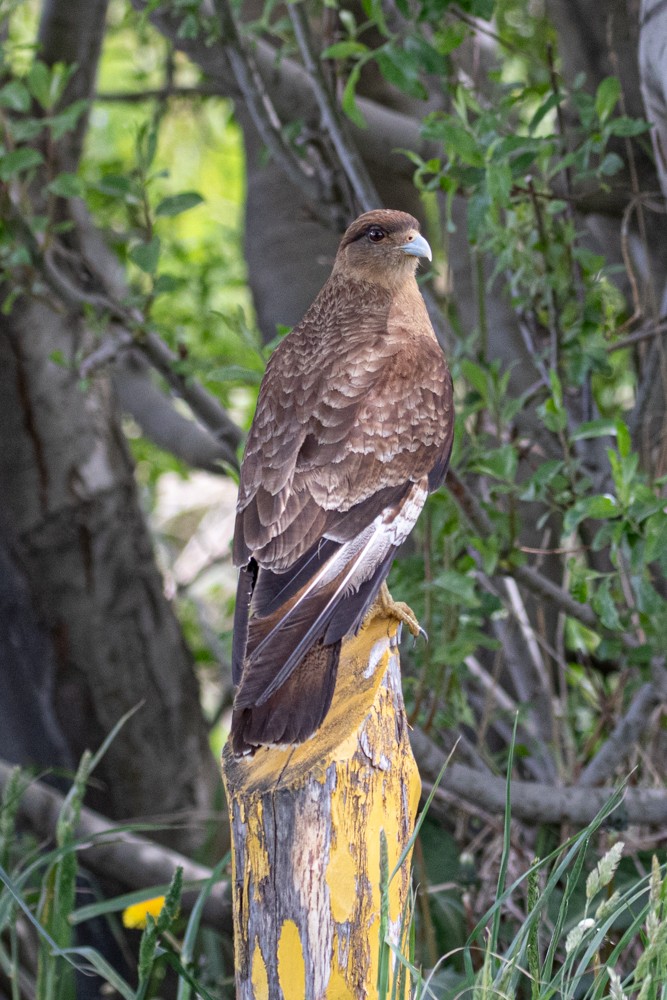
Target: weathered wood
(307, 827)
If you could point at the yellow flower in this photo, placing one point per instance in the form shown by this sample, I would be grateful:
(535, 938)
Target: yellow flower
(135, 915)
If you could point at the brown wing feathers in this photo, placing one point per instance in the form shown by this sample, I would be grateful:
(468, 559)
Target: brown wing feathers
(353, 428)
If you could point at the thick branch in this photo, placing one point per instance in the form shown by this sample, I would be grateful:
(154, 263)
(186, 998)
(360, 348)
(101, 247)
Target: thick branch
(113, 853)
(536, 802)
(121, 321)
(292, 95)
(157, 94)
(71, 32)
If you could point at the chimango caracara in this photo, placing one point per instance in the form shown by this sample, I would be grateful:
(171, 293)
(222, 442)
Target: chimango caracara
(352, 431)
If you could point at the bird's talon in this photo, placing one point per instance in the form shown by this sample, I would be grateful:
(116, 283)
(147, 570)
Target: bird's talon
(400, 611)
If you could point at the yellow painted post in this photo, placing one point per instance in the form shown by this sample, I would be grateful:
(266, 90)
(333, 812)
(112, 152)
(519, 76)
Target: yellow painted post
(307, 826)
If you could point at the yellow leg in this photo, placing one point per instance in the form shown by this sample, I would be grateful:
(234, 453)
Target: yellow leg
(387, 606)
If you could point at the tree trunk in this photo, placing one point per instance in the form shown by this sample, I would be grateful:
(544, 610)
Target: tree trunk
(309, 825)
(68, 496)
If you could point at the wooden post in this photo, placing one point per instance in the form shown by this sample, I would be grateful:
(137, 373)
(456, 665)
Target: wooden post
(307, 827)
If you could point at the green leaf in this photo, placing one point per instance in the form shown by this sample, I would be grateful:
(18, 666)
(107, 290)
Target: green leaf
(18, 161)
(66, 186)
(501, 463)
(399, 69)
(476, 376)
(15, 96)
(594, 429)
(177, 203)
(349, 101)
(39, 83)
(168, 283)
(458, 142)
(450, 37)
(604, 606)
(597, 507)
(628, 127)
(499, 182)
(67, 119)
(116, 186)
(552, 101)
(460, 585)
(607, 96)
(478, 210)
(611, 165)
(623, 439)
(553, 416)
(146, 255)
(343, 50)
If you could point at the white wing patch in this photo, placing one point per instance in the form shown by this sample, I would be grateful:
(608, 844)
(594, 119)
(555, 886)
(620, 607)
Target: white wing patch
(356, 561)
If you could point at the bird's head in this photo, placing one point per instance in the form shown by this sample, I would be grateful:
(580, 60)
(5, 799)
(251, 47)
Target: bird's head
(382, 246)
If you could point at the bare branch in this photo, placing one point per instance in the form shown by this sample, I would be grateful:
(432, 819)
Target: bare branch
(627, 731)
(644, 333)
(261, 109)
(351, 161)
(535, 802)
(121, 322)
(158, 94)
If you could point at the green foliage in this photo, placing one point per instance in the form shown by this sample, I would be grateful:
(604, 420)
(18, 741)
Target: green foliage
(511, 163)
(560, 453)
(38, 901)
(580, 921)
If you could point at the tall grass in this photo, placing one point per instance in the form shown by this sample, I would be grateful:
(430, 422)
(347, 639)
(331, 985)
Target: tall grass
(613, 949)
(40, 915)
(582, 937)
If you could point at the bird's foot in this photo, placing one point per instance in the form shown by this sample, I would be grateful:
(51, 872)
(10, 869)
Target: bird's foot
(402, 612)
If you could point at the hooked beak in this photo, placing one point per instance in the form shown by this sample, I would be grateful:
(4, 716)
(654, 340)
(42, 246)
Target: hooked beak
(417, 246)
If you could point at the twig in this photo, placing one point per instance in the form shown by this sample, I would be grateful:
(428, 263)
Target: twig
(107, 352)
(158, 94)
(261, 109)
(351, 161)
(122, 321)
(552, 300)
(645, 333)
(528, 633)
(627, 731)
(115, 853)
(530, 577)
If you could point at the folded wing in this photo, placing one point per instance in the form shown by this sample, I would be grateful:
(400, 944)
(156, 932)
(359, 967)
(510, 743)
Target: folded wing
(335, 474)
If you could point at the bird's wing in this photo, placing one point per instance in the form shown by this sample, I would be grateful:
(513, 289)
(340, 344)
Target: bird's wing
(335, 474)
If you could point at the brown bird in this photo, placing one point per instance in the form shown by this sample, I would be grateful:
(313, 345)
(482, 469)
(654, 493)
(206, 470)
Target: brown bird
(353, 429)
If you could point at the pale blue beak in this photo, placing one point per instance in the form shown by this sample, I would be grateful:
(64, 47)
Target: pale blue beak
(417, 246)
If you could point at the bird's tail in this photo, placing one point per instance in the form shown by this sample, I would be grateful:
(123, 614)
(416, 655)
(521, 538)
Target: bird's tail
(296, 710)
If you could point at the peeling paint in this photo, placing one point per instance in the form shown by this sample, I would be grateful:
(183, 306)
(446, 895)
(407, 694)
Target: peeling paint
(338, 987)
(306, 827)
(291, 964)
(259, 978)
(258, 859)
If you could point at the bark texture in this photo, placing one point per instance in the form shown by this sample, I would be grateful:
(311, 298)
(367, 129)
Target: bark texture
(68, 496)
(307, 828)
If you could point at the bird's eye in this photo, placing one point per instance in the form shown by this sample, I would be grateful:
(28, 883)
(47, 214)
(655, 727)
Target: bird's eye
(376, 235)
